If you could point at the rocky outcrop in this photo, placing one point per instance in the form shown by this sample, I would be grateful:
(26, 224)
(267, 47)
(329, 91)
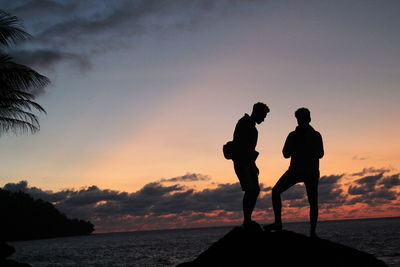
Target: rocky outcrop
(242, 247)
(6, 251)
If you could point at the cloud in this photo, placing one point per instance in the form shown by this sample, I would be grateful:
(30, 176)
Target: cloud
(37, 193)
(371, 170)
(163, 205)
(153, 198)
(75, 31)
(375, 198)
(49, 58)
(364, 185)
(39, 9)
(359, 158)
(374, 189)
(390, 181)
(295, 192)
(330, 193)
(189, 177)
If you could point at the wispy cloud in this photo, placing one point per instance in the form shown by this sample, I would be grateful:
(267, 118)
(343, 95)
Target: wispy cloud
(189, 177)
(359, 158)
(372, 170)
(49, 58)
(75, 31)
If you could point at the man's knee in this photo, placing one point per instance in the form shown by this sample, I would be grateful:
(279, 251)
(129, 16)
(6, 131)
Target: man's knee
(276, 191)
(313, 203)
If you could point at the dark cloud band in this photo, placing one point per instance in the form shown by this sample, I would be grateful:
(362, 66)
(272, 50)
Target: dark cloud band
(169, 202)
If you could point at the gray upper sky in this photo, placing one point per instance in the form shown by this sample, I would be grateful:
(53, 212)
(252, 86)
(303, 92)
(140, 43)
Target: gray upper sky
(144, 90)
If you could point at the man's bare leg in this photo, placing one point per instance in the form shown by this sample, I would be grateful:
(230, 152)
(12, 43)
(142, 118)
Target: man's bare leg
(312, 194)
(277, 206)
(249, 202)
(285, 182)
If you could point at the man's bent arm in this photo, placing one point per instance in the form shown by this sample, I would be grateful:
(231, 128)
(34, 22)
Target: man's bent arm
(320, 146)
(288, 147)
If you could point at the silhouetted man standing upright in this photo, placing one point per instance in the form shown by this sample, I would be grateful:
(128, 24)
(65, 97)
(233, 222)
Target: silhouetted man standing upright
(244, 162)
(304, 147)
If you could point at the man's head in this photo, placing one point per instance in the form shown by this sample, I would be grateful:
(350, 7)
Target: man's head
(303, 116)
(259, 112)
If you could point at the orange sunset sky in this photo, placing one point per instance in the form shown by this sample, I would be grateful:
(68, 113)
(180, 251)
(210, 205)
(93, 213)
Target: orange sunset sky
(143, 97)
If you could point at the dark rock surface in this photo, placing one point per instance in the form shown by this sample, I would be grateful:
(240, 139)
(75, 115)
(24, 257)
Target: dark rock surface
(6, 251)
(242, 247)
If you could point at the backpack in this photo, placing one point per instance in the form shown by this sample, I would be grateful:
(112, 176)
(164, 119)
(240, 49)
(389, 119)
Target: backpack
(229, 150)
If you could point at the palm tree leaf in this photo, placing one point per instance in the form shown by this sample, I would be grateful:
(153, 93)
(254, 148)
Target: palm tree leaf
(12, 93)
(29, 105)
(19, 99)
(11, 31)
(16, 126)
(17, 83)
(20, 114)
(20, 77)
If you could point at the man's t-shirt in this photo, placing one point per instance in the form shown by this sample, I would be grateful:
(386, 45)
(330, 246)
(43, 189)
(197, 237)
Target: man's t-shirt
(305, 147)
(245, 138)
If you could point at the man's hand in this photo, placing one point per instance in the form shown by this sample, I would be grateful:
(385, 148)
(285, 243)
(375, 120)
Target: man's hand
(256, 169)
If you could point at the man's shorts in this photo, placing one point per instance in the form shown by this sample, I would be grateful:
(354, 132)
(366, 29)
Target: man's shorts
(247, 172)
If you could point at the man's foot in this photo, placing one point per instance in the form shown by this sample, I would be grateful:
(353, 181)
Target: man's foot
(251, 225)
(273, 227)
(313, 235)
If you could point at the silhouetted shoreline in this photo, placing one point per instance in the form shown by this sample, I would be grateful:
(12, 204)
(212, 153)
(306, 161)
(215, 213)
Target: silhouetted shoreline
(24, 218)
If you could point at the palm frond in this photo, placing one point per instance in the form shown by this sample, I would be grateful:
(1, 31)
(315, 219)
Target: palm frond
(12, 93)
(17, 82)
(18, 99)
(11, 31)
(17, 126)
(20, 103)
(15, 112)
(20, 114)
(20, 77)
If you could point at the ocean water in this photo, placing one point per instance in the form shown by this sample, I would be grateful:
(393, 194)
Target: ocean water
(380, 237)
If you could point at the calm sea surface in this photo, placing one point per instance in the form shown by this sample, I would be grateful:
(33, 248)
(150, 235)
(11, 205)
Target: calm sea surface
(380, 237)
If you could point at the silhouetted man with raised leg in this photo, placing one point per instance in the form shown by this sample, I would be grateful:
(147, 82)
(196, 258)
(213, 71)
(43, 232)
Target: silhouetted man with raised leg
(304, 146)
(244, 162)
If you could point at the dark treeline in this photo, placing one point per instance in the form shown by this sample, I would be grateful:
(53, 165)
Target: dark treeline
(23, 217)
